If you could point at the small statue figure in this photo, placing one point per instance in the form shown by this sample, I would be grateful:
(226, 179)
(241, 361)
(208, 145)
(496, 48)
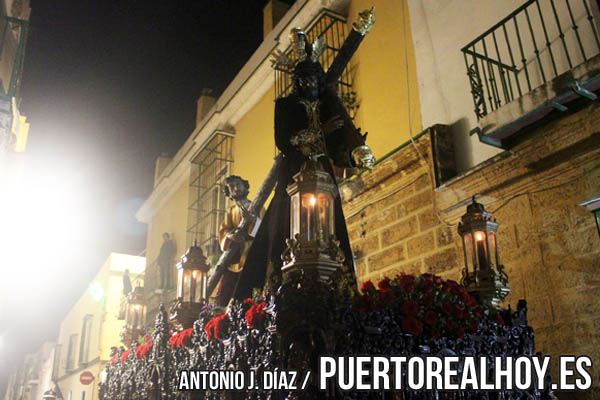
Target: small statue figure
(311, 122)
(165, 261)
(237, 190)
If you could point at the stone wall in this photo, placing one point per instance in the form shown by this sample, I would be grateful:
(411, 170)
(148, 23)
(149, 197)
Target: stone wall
(400, 220)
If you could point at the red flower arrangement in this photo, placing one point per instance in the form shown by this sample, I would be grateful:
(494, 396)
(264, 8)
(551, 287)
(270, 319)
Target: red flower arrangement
(429, 305)
(181, 339)
(143, 350)
(255, 316)
(125, 355)
(217, 327)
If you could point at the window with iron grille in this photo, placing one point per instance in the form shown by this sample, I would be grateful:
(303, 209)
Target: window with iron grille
(333, 27)
(71, 350)
(84, 343)
(207, 203)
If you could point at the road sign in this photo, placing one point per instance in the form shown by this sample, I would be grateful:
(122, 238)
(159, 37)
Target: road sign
(86, 378)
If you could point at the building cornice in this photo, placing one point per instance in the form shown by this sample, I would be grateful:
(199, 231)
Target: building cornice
(246, 89)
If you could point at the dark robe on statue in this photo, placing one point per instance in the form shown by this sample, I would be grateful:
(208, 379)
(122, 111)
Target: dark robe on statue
(290, 118)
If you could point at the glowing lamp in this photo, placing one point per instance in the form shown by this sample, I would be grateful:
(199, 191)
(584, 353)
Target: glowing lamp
(96, 291)
(312, 246)
(192, 278)
(135, 316)
(483, 275)
(192, 271)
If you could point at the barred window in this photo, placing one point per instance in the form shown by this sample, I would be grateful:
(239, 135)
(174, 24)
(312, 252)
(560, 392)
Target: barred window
(84, 343)
(71, 350)
(207, 203)
(333, 27)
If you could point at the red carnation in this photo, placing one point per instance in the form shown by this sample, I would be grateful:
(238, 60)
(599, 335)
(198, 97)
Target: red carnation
(143, 350)
(468, 299)
(410, 308)
(447, 308)
(430, 318)
(113, 359)
(222, 326)
(450, 286)
(384, 284)
(368, 287)
(427, 299)
(412, 325)
(209, 328)
(186, 336)
(173, 340)
(457, 312)
(450, 326)
(248, 301)
(255, 316)
(478, 311)
(433, 278)
(125, 355)
(217, 327)
(407, 283)
(474, 326)
(386, 297)
(363, 303)
(427, 286)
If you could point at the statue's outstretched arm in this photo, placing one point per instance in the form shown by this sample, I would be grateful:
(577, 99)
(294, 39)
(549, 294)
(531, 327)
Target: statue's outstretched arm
(360, 28)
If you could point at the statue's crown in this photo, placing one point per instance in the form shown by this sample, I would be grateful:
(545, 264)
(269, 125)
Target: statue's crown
(302, 51)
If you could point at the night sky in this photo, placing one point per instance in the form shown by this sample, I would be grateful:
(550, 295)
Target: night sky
(107, 86)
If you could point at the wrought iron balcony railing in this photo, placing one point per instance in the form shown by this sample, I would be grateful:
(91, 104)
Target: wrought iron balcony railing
(537, 42)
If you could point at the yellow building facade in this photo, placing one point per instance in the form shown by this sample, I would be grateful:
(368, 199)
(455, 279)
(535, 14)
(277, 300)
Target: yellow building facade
(92, 326)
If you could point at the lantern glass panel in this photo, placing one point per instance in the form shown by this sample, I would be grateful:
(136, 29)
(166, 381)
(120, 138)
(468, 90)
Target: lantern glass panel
(469, 251)
(200, 284)
(324, 214)
(307, 218)
(180, 282)
(295, 215)
(187, 285)
(196, 286)
(492, 247)
(481, 249)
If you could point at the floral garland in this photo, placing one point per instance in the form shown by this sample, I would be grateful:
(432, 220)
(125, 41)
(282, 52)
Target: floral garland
(143, 350)
(181, 339)
(217, 327)
(125, 354)
(429, 305)
(255, 316)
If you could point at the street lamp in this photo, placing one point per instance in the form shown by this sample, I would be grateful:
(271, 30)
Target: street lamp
(312, 247)
(192, 277)
(135, 316)
(483, 275)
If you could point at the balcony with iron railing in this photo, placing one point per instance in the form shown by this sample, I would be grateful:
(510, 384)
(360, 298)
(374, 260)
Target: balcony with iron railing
(537, 59)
